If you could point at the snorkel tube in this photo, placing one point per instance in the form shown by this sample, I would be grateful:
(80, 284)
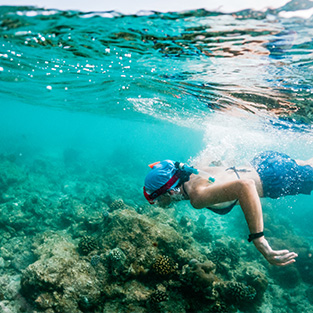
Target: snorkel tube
(191, 170)
(188, 169)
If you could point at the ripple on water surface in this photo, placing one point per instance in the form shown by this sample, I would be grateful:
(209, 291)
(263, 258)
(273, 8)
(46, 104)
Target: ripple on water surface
(187, 64)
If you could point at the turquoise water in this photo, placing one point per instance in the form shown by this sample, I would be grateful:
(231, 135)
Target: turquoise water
(92, 98)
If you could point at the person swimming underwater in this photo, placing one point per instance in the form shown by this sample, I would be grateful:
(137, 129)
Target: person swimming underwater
(272, 174)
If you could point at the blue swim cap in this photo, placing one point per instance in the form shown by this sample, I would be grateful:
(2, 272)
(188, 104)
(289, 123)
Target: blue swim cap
(165, 176)
(160, 174)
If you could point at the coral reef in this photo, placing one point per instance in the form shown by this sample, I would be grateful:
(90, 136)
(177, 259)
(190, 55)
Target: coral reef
(219, 307)
(164, 266)
(187, 223)
(158, 296)
(199, 276)
(117, 205)
(95, 260)
(225, 258)
(201, 221)
(235, 292)
(87, 244)
(143, 239)
(256, 279)
(287, 277)
(10, 176)
(60, 280)
(117, 258)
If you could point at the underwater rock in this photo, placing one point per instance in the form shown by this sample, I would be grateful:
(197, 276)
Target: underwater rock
(66, 203)
(309, 294)
(164, 266)
(105, 216)
(219, 307)
(2, 263)
(255, 278)
(199, 276)
(132, 296)
(136, 270)
(87, 244)
(14, 219)
(201, 221)
(287, 277)
(304, 264)
(21, 260)
(9, 287)
(35, 206)
(202, 235)
(60, 279)
(187, 223)
(10, 175)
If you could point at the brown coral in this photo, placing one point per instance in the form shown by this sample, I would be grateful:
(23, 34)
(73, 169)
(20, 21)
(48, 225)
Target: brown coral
(199, 277)
(235, 292)
(219, 307)
(224, 254)
(164, 266)
(87, 244)
(256, 279)
(158, 296)
(117, 205)
(204, 273)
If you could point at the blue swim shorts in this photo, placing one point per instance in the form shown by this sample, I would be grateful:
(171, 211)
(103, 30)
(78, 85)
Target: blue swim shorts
(281, 176)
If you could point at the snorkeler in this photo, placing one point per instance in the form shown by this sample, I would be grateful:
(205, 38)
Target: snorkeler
(272, 174)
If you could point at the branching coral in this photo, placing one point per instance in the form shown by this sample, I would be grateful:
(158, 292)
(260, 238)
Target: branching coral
(164, 266)
(87, 244)
(158, 296)
(235, 292)
(117, 205)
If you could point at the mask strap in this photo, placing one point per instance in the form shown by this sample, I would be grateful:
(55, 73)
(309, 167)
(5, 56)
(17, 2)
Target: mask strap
(162, 189)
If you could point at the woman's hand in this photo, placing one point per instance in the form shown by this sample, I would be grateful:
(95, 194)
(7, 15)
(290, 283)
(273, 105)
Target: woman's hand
(274, 257)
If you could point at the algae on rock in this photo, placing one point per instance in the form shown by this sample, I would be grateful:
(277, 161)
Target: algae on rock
(60, 279)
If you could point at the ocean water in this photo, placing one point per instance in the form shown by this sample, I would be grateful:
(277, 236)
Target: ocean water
(92, 98)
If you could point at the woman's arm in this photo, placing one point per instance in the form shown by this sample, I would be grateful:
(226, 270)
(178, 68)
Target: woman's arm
(202, 195)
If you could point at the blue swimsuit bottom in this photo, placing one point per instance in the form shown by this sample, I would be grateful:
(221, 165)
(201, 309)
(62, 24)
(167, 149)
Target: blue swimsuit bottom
(281, 176)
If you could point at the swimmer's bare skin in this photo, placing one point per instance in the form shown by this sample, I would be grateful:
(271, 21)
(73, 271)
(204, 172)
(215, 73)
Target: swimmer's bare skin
(227, 187)
(248, 191)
